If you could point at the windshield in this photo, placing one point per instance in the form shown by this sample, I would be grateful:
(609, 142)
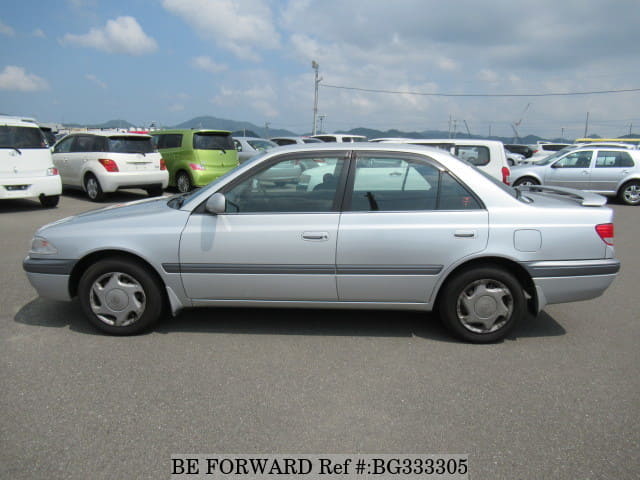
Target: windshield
(213, 141)
(21, 137)
(130, 145)
(556, 155)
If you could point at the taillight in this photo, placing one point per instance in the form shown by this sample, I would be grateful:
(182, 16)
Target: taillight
(605, 230)
(163, 164)
(108, 164)
(196, 166)
(52, 171)
(505, 175)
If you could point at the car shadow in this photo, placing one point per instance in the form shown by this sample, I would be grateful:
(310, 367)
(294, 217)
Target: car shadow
(19, 205)
(277, 321)
(113, 197)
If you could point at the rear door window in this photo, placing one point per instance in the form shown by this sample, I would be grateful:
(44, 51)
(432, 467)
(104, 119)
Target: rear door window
(613, 159)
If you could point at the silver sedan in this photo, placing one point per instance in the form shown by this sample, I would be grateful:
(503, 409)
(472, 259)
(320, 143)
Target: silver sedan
(610, 171)
(396, 227)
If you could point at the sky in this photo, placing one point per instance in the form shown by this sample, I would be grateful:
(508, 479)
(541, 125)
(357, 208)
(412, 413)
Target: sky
(167, 61)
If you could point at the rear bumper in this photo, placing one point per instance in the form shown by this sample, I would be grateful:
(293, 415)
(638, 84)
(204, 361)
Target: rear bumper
(111, 182)
(204, 177)
(30, 187)
(571, 281)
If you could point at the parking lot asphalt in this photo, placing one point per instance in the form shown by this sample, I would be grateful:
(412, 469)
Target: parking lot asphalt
(558, 399)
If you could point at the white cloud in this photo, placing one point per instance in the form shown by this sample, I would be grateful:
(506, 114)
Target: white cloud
(207, 64)
(240, 27)
(176, 107)
(261, 98)
(92, 78)
(17, 79)
(38, 33)
(6, 29)
(122, 35)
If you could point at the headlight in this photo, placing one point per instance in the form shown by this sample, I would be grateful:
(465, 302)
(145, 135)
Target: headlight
(42, 246)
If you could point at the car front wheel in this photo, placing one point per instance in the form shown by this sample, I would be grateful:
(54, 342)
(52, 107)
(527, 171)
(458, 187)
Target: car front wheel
(630, 193)
(120, 297)
(481, 305)
(526, 181)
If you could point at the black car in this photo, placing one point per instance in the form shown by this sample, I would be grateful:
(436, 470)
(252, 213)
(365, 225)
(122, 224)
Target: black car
(521, 149)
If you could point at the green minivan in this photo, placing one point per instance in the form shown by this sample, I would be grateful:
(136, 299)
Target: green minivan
(195, 157)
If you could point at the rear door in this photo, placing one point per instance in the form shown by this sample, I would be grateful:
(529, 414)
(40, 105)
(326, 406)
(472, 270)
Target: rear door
(81, 152)
(61, 158)
(611, 167)
(405, 221)
(572, 171)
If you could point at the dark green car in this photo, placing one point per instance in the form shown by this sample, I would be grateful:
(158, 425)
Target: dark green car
(195, 157)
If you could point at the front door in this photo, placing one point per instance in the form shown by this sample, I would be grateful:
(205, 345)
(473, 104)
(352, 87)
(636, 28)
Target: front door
(275, 241)
(572, 171)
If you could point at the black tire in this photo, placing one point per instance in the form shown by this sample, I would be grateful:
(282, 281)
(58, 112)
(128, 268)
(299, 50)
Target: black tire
(155, 191)
(183, 182)
(93, 188)
(497, 299)
(630, 193)
(526, 181)
(49, 201)
(113, 284)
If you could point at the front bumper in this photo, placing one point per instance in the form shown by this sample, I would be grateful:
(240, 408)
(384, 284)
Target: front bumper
(571, 281)
(50, 277)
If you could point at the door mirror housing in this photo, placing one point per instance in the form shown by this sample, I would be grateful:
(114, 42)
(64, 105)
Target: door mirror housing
(217, 203)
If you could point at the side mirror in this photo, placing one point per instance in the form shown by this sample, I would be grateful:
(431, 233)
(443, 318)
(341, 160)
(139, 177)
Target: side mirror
(217, 203)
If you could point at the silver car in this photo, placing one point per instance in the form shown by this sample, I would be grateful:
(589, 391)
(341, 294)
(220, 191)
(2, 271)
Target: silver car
(398, 227)
(248, 147)
(610, 171)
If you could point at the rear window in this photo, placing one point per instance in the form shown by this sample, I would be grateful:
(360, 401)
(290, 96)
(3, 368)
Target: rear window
(213, 141)
(130, 145)
(21, 137)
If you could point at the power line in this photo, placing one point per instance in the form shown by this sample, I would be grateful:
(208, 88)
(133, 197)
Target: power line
(424, 94)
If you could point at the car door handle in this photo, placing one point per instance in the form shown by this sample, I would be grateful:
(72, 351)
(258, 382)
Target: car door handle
(464, 234)
(316, 236)
(585, 172)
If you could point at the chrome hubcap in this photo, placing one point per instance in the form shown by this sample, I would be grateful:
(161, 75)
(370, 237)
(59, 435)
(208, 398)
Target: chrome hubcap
(92, 188)
(484, 306)
(117, 299)
(632, 194)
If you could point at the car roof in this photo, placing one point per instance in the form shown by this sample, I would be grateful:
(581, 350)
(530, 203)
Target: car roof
(17, 121)
(111, 133)
(189, 130)
(457, 141)
(251, 138)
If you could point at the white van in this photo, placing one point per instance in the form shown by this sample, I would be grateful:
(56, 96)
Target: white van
(487, 155)
(26, 168)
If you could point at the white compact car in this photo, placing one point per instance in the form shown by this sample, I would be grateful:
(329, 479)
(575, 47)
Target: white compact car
(26, 169)
(101, 162)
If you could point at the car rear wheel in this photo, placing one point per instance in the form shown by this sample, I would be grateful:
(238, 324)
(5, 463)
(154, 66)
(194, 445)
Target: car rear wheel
(120, 297)
(183, 182)
(630, 193)
(49, 201)
(524, 181)
(93, 188)
(155, 191)
(481, 305)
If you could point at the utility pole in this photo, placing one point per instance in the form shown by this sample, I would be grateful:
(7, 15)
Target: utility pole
(449, 125)
(455, 127)
(315, 66)
(321, 117)
(586, 125)
(630, 127)
(562, 133)
(266, 129)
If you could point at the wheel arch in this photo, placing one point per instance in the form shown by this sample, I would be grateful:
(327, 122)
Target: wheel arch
(625, 182)
(85, 262)
(528, 175)
(506, 264)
